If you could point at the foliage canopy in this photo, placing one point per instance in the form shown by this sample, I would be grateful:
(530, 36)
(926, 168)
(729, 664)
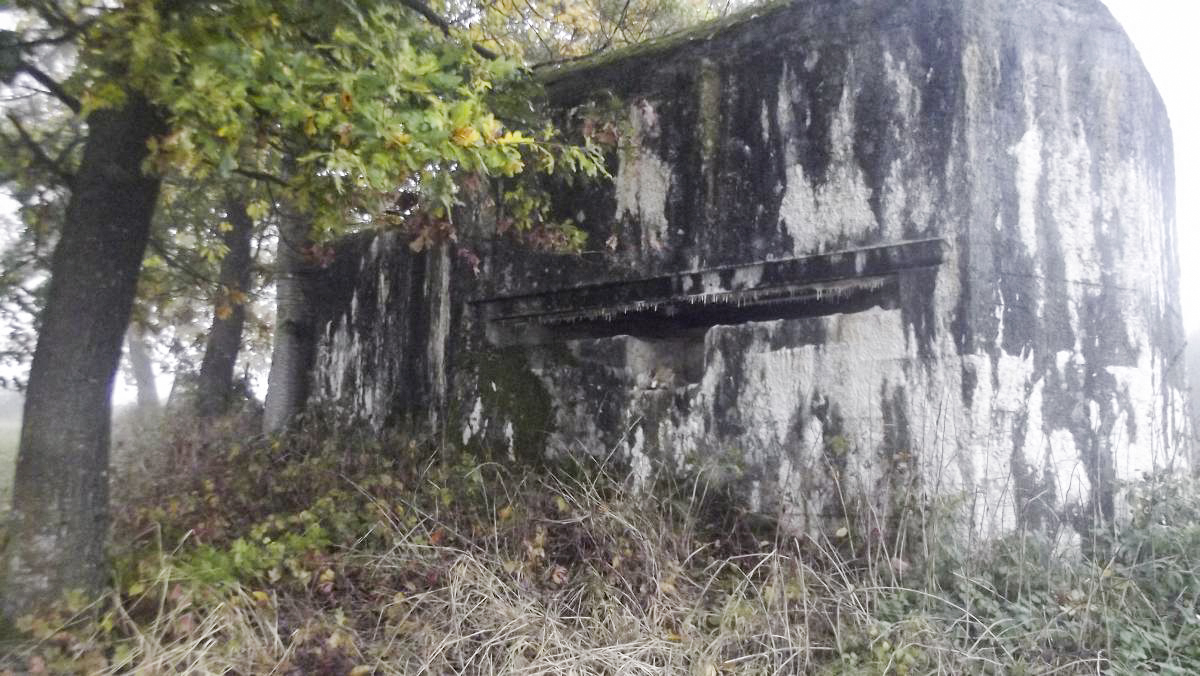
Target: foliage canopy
(343, 103)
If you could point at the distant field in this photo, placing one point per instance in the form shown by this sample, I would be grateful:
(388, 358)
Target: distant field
(9, 434)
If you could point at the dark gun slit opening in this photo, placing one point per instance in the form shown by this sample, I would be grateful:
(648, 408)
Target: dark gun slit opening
(684, 305)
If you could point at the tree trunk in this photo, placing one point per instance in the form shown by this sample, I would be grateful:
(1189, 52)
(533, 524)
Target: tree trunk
(295, 344)
(143, 370)
(60, 495)
(215, 385)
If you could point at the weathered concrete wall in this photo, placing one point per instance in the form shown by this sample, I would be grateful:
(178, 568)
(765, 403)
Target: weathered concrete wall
(866, 252)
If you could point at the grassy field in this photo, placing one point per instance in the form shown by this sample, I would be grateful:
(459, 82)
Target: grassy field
(9, 433)
(10, 430)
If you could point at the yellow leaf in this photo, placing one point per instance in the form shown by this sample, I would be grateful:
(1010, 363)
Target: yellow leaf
(327, 575)
(398, 139)
(360, 670)
(512, 138)
(225, 226)
(136, 589)
(224, 312)
(261, 596)
(491, 127)
(258, 209)
(505, 513)
(466, 136)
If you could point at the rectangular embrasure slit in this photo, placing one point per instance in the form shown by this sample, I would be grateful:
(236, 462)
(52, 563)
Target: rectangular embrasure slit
(683, 303)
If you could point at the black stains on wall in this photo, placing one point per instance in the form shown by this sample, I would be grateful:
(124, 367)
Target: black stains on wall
(820, 97)
(972, 202)
(918, 291)
(877, 130)
(940, 45)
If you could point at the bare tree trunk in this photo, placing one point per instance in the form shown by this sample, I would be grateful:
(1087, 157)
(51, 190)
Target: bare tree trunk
(215, 385)
(60, 496)
(143, 370)
(295, 346)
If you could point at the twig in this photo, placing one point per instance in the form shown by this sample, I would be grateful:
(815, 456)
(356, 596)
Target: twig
(433, 18)
(619, 25)
(39, 153)
(173, 262)
(55, 89)
(261, 176)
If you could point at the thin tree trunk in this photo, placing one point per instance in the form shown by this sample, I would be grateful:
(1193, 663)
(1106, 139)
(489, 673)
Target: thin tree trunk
(60, 495)
(215, 385)
(294, 350)
(143, 370)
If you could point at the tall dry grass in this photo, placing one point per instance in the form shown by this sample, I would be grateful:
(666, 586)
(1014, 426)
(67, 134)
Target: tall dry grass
(489, 569)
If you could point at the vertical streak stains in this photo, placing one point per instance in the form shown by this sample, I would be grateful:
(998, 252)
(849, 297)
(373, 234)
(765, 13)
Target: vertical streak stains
(1022, 377)
(709, 111)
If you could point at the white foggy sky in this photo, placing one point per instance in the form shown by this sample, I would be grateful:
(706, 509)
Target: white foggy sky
(1164, 32)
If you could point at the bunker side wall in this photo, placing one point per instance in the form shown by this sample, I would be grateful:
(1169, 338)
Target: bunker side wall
(1015, 381)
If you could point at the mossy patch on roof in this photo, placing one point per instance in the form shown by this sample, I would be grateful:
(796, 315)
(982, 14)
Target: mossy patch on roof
(553, 72)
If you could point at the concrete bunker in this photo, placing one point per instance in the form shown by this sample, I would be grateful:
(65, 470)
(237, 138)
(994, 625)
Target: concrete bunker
(855, 251)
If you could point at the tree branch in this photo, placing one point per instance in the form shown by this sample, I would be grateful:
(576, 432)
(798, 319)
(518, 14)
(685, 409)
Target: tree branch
(39, 153)
(70, 32)
(619, 25)
(50, 84)
(261, 176)
(52, 15)
(433, 18)
(157, 246)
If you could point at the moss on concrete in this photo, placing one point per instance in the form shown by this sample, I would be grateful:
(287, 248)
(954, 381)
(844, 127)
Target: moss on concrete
(550, 73)
(511, 393)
